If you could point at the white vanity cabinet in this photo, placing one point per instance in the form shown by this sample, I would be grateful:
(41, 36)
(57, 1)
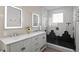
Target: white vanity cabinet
(33, 42)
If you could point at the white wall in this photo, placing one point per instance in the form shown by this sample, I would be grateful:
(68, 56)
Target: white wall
(68, 17)
(27, 19)
(44, 21)
(1, 20)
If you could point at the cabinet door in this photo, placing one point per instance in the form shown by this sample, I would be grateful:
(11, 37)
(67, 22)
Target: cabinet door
(42, 40)
(16, 47)
(35, 44)
(27, 45)
(22, 46)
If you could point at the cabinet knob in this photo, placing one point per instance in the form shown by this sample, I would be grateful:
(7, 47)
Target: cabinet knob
(22, 49)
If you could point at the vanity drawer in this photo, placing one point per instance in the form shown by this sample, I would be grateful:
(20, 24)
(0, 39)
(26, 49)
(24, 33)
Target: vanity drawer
(42, 40)
(22, 46)
(16, 47)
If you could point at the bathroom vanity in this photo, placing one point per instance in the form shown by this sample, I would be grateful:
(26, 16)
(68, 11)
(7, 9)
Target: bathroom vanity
(32, 42)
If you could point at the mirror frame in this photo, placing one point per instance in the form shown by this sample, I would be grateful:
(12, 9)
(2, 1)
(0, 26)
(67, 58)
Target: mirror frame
(7, 27)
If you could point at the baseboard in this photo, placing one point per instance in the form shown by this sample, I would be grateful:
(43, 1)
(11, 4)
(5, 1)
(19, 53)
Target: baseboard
(60, 48)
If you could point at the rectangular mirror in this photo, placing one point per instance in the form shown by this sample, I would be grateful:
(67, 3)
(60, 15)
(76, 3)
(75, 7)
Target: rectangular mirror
(13, 17)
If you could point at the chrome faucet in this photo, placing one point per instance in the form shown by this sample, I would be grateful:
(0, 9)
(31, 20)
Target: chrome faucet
(13, 35)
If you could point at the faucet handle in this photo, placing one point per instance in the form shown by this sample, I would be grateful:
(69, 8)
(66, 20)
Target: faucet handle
(15, 34)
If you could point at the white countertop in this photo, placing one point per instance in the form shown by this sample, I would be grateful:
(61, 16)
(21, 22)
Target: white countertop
(9, 40)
